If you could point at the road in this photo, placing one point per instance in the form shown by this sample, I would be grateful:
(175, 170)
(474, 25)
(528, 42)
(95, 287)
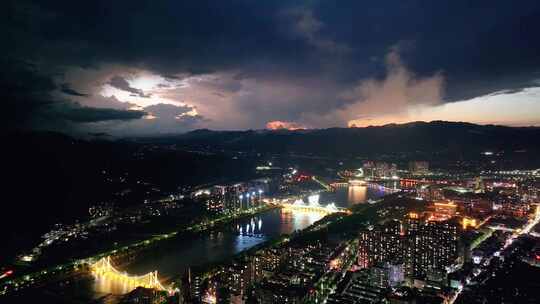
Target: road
(517, 233)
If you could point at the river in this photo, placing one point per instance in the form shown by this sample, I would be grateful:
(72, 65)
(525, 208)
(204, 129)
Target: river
(173, 258)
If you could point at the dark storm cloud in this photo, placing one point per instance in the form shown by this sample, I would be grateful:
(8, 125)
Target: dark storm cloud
(65, 88)
(192, 36)
(170, 37)
(205, 36)
(24, 89)
(27, 100)
(77, 113)
(159, 119)
(480, 47)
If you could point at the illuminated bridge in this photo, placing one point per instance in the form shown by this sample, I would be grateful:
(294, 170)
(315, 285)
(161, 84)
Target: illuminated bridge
(312, 206)
(322, 183)
(104, 268)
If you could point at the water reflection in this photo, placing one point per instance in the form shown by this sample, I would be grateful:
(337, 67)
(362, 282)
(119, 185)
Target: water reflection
(352, 195)
(104, 284)
(356, 194)
(294, 220)
(173, 258)
(276, 222)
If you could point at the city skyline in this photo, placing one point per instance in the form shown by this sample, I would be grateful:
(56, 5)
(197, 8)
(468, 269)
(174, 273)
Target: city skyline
(270, 152)
(140, 69)
(205, 219)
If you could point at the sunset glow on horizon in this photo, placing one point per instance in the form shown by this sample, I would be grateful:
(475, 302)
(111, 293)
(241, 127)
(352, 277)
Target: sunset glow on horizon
(515, 109)
(279, 125)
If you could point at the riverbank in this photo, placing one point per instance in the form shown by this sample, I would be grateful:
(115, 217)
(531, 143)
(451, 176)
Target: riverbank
(50, 273)
(210, 242)
(337, 231)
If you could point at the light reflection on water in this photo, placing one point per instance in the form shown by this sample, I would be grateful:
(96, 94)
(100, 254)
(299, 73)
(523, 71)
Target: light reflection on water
(352, 195)
(294, 220)
(211, 247)
(356, 194)
(174, 260)
(104, 284)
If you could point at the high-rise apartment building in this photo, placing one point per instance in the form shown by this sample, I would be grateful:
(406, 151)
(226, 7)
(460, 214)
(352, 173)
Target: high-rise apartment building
(422, 247)
(418, 167)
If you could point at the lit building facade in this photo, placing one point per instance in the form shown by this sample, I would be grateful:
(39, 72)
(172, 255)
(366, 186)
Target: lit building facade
(422, 247)
(419, 167)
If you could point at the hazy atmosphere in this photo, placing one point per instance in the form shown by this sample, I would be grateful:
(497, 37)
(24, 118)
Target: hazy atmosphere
(134, 68)
(270, 152)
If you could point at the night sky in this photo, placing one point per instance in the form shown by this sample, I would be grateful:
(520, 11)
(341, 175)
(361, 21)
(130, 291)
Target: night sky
(157, 67)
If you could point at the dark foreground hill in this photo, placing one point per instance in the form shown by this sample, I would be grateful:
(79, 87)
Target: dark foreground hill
(52, 178)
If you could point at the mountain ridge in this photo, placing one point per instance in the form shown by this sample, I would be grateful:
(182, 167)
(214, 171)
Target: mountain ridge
(415, 136)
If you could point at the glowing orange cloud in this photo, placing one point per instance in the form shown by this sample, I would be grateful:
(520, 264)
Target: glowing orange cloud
(278, 125)
(400, 97)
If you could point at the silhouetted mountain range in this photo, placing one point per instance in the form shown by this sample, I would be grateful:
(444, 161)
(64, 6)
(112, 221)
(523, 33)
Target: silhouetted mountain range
(436, 136)
(52, 177)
